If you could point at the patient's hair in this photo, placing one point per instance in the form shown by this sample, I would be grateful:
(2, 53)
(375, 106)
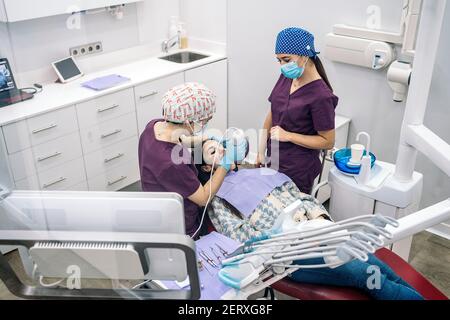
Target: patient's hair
(203, 175)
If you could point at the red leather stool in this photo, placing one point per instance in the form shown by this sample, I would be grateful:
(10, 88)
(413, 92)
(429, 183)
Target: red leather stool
(321, 292)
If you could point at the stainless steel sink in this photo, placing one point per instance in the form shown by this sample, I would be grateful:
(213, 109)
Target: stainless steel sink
(184, 57)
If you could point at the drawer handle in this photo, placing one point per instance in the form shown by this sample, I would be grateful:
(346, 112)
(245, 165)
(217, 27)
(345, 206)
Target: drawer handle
(54, 182)
(154, 93)
(45, 129)
(116, 181)
(108, 108)
(49, 157)
(120, 155)
(111, 134)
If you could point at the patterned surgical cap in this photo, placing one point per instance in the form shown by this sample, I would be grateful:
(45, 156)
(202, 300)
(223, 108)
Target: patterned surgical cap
(296, 41)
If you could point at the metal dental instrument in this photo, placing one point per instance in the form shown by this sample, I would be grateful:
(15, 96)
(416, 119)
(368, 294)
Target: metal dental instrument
(208, 259)
(204, 267)
(219, 259)
(222, 250)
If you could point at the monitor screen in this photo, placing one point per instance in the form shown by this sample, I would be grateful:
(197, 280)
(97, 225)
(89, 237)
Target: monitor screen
(6, 78)
(67, 68)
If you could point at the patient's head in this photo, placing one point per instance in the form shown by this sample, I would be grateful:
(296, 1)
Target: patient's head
(213, 151)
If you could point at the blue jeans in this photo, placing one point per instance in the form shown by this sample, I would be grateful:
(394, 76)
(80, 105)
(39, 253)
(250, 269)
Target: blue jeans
(356, 274)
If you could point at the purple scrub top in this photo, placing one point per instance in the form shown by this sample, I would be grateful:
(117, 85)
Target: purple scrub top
(306, 111)
(160, 174)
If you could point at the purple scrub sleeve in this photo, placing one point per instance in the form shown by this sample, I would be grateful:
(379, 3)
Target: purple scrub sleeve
(306, 111)
(160, 174)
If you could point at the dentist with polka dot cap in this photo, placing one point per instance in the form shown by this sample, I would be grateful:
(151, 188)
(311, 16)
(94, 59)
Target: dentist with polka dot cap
(300, 122)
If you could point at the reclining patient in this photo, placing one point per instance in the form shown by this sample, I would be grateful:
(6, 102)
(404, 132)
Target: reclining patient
(249, 203)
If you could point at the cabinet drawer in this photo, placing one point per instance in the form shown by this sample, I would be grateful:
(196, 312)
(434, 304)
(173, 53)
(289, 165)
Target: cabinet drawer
(111, 157)
(82, 186)
(148, 98)
(16, 136)
(108, 133)
(105, 108)
(52, 125)
(64, 176)
(29, 183)
(116, 178)
(57, 152)
(22, 164)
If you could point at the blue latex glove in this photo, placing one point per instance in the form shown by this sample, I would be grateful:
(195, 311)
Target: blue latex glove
(233, 153)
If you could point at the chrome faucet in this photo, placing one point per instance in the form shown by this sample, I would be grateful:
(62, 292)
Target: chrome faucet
(169, 43)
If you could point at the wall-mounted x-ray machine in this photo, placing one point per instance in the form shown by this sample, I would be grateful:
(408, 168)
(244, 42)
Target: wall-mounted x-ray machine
(375, 49)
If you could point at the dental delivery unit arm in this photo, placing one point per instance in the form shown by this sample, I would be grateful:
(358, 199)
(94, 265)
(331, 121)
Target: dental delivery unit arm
(258, 263)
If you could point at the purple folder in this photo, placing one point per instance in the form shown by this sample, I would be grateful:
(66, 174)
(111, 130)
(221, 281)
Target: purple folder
(105, 82)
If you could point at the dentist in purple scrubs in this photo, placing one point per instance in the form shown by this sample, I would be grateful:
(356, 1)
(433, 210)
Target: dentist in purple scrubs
(300, 122)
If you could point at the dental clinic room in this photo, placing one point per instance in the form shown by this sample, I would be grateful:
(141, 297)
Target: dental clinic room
(255, 154)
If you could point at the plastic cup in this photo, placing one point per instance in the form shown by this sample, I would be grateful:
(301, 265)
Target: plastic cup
(357, 153)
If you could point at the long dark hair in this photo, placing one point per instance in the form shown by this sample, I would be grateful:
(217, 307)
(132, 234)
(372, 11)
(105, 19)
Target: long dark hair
(321, 71)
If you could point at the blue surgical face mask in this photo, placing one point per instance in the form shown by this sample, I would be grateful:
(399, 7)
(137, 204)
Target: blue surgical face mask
(292, 70)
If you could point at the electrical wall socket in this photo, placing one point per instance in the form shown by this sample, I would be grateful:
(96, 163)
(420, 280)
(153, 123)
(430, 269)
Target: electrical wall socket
(86, 49)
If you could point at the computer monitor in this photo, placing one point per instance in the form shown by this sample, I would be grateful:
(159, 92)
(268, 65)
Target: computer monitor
(7, 82)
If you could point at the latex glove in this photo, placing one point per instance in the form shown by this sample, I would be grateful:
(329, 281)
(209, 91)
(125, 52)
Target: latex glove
(233, 153)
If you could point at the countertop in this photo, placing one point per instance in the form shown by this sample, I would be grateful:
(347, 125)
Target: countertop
(57, 95)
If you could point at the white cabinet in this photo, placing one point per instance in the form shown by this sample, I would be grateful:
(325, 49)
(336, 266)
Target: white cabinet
(18, 10)
(94, 144)
(111, 157)
(16, 136)
(108, 133)
(63, 177)
(148, 98)
(52, 125)
(116, 179)
(105, 108)
(214, 76)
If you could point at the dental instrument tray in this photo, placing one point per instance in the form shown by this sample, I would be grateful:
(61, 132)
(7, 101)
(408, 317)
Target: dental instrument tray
(342, 160)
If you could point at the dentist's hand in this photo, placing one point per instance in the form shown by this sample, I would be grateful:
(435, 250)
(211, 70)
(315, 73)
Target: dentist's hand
(279, 134)
(233, 153)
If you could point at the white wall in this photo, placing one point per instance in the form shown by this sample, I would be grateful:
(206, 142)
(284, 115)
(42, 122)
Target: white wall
(34, 44)
(153, 18)
(205, 19)
(364, 94)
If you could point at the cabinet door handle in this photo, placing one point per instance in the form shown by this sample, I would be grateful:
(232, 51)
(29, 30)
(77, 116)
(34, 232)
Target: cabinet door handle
(111, 134)
(108, 108)
(45, 129)
(154, 93)
(54, 182)
(116, 181)
(120, 155)
(40, 159)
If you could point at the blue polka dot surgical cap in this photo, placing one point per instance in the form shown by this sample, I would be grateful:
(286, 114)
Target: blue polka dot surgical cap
(296, 41)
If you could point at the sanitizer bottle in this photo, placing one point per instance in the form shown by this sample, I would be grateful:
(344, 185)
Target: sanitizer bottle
(183, 35)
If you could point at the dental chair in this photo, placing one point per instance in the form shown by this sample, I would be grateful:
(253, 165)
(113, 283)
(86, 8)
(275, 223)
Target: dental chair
(304, 291)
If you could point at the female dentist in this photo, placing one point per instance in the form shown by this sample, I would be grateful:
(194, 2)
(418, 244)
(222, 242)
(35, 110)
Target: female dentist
(301, 120)
(166, 165)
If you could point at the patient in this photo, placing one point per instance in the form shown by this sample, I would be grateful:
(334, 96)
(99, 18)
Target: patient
(250, 200)
(249, 203)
